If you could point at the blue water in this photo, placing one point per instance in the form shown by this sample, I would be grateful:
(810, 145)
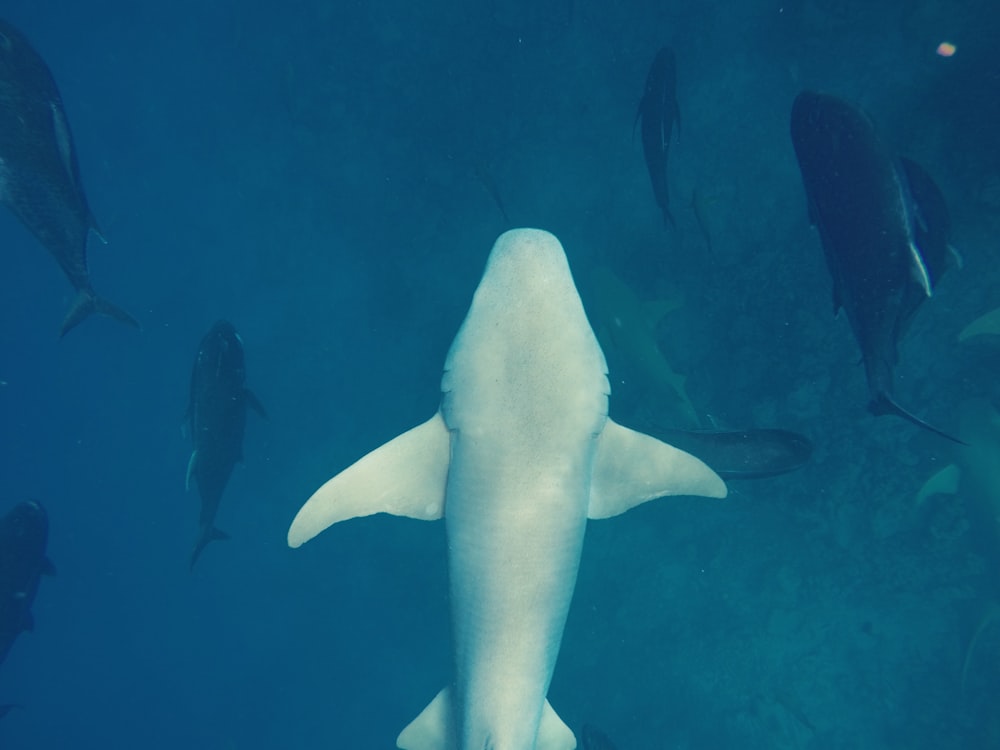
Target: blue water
(315, 172)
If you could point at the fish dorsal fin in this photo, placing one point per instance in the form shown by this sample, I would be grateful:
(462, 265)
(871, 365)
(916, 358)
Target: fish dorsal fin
(631, 468)
(404, 477)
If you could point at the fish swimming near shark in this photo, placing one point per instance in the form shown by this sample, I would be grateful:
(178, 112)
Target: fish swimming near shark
(24, 534)
(39, 175)
(519, 455)
(883, 225)
(742, 454)
(592, 738)
(658, 112)
(217, 415)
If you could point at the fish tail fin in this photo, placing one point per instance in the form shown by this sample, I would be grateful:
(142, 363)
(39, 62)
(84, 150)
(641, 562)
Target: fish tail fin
(87, 303)
(213, 535)
(882, 403)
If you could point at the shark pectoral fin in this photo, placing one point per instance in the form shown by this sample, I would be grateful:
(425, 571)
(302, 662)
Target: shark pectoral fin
(404, 477)
(631, 468)
(432, 729)
(988, 324)
(553, 734)
(944, 482)
(192, 463)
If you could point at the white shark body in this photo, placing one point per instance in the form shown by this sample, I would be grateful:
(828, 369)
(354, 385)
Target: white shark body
(519, 456)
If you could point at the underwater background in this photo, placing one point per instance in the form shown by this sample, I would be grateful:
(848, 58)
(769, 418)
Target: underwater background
(325, 175)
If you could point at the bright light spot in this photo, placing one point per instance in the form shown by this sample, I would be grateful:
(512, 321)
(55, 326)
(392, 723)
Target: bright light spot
(946, 49)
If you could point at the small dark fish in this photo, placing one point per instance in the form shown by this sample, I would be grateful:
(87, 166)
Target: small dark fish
(658, 111)
(742, 454)
(39, 175)
(217, 414)
(592, 738)
(24, 532)
(883, 225)
(6, 708)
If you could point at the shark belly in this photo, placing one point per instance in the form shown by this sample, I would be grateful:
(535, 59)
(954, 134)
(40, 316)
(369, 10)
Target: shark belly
(515, 535)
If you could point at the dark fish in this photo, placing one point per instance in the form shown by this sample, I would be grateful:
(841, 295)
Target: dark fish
(39, 176)
(883, 225)
(742, 454)
(658, 111)
(217, 414)
(6, 708)
(24, 532)
(592, 738)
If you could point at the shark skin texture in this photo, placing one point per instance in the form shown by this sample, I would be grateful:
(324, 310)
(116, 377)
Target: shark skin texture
(520, 454)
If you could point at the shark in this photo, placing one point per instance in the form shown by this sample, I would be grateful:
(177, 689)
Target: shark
(517, 458)
(627, 326)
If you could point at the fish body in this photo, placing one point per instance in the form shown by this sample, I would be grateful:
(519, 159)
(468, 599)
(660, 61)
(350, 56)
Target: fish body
(217, 413)
(39, 174)
(592, 738)
(884, 250)
(519, 456)
(743, 454)
(658, 112)
(24, 534)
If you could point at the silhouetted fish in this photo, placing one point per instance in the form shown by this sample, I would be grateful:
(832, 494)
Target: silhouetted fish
(883, 225)
(592, 738)
(742, 454)
(658, 111)
(218, 413)
(39, 176)
(6, 708)
(24, 532)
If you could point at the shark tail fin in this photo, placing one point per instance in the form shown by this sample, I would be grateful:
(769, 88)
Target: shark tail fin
(435, 729)
(882, 403)
(87, 303)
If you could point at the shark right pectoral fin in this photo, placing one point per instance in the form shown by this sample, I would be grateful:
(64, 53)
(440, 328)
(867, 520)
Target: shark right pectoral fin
(434, 729)
(404, 477)
(631, 468)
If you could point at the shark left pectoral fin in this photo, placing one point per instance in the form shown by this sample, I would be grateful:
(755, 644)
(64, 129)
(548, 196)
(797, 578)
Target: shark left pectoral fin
(404, 477)
(631, 468)
(434, 728)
